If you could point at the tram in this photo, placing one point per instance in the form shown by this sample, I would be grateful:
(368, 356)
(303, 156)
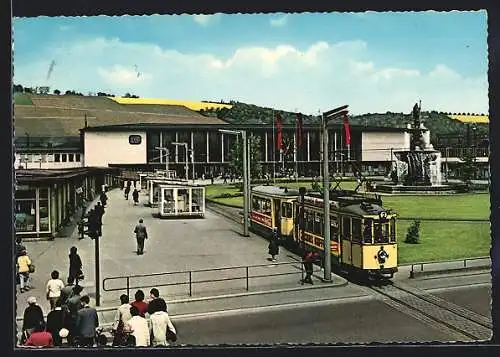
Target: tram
(362, 232)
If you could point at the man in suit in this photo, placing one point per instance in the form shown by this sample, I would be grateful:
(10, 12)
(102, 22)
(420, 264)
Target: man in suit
(86, 323)
(55, 321)
(141, 234)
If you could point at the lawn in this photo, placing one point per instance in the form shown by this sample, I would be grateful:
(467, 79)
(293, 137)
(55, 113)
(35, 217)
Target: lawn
(22, 99)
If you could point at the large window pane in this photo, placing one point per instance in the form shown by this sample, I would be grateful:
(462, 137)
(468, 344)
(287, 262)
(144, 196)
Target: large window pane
(215, 145)
(200, 146)
(153, 140)
(25, 211)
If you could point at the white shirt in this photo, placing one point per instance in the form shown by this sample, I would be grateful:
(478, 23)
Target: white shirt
(123, 313)
(140, 330)
(54, 287)
(158, 324)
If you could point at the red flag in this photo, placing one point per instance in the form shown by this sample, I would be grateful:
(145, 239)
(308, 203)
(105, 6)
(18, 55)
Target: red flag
(347, 131)
(278, 128)
(299, 132)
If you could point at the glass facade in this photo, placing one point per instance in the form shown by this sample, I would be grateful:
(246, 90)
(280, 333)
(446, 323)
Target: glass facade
(153, 140)
(215, 146)
(32, 210)
(183, 137)
(200, 146)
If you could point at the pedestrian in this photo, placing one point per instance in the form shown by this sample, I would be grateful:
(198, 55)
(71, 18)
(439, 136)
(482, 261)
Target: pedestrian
(66, 293)
(141, 234)
(32, 317)
(24, 268)
(86, 323)
(135, 196)
(139, 303)
(156, 303)
(74, 305)
(40, 337)
(127, 191)
(225, 179)
(273, 248)
(103, 198)
(99, 211)
(212, 179)
(55, 322)
(75, 266)
(308, 260)
(160, 325)
(139, 328)
(54, 287)
(122, 315)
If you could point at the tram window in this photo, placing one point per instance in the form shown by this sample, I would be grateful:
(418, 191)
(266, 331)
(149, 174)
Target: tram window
(367, 231)
(381, 232)
(392, 223)
(57, 157)
(261, 205)
(334, 229)
(64, 157)
(309, 221)
(286, 210)
(318, 224)
(346, 228)
(356, 230)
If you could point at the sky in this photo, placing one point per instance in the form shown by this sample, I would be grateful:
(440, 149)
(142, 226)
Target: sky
(307, 62)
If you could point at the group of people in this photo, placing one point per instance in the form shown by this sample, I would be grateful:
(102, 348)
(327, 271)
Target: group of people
(71, 321)
(135, 193)
(143, 324)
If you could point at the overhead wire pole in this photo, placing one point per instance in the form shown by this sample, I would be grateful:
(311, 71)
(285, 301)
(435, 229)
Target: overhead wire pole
(332, 114)
(274, 153)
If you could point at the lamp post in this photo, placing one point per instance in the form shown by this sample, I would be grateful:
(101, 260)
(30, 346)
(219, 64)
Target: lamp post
(167, 152)
(246, 168)
(326, 116)
(186, 150)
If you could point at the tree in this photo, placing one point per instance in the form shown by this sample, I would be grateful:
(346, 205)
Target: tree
(413, 234)
(57, 91)
(18, 88)
(468, 168)
(236, 156)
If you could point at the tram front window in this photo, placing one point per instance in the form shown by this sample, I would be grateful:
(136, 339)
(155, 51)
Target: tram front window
(367, 231)
(381, 232)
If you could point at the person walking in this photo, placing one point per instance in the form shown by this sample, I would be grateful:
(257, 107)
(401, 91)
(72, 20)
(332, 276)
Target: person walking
(74, 305)
(308, 260)
(127, 191)
(75, 266)
(32, 318)
(160, 325)
(54, 288)
(122, 315)
(273, 248)
(86, 323)
(139, 328)
(139, 303)
(141, 234)
(55, 322)
(135, 196)
(24, 268)
(103, 198)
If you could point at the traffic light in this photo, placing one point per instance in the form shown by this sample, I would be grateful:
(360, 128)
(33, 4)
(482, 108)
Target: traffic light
(93, 225)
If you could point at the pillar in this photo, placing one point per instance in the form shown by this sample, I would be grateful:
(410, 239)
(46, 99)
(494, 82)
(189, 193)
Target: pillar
(222, 146)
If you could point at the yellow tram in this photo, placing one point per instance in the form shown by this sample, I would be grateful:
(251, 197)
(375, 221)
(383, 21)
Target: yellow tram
(362, 231)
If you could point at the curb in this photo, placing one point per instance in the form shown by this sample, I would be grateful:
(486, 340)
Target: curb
(343, 282)
(416, 274)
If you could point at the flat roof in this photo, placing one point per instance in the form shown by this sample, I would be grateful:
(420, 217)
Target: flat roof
(51, 175)
(276, 191)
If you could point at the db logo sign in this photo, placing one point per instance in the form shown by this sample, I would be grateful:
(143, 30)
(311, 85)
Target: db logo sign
(134, 139)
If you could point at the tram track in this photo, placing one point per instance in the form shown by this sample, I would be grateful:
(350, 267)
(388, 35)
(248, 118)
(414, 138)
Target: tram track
(457, 321)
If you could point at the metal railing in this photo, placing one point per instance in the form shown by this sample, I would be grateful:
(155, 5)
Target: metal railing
(187, 277)
(460, 152)
(462, 266)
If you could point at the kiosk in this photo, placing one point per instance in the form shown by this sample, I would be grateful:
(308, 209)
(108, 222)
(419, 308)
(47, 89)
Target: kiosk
(179, 200)
(154, 189)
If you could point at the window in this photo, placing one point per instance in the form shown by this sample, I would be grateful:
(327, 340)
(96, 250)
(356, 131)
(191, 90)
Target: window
(77, 157)
(57, 157)
(346, 228)
(356, 230)
(43, 209)
(310, 222)
(334, 229)
(64, 157)
(25, 209)
(381, 231)
(261, 205)
(71, 158)
(367, 231)
(286, 210)
(392, 223)
(318, 224)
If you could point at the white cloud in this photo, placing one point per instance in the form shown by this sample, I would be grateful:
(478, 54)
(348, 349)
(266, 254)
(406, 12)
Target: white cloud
(279, 21)
(319, 77)
(205, 20)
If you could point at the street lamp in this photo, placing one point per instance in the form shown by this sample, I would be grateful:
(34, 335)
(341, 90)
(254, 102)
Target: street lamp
(246, 188)
(167, 152)
(326, 116)
(186, 150)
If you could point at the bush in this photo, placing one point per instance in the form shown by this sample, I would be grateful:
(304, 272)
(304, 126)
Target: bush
(413, 235)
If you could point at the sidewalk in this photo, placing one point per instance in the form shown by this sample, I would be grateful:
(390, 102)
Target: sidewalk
(174, 245)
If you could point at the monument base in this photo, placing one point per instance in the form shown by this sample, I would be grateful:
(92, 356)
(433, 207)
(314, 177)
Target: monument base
(421, 190)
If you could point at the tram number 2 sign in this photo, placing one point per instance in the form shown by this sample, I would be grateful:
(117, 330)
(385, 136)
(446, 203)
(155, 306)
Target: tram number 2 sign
(134, 139)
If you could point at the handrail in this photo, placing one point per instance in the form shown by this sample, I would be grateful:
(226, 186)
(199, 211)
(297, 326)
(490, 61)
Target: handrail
(422, 264)
(188, 280)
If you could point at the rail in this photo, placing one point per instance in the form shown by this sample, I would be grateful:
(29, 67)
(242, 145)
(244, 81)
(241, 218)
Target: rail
(190, 281)
(462, 266)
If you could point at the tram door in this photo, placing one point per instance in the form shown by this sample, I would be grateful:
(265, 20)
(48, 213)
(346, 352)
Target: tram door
(277, 215)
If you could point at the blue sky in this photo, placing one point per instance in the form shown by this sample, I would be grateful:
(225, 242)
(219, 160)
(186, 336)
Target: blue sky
(374, 62)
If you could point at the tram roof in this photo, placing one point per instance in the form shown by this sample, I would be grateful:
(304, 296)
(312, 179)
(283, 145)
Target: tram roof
(276, 191)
